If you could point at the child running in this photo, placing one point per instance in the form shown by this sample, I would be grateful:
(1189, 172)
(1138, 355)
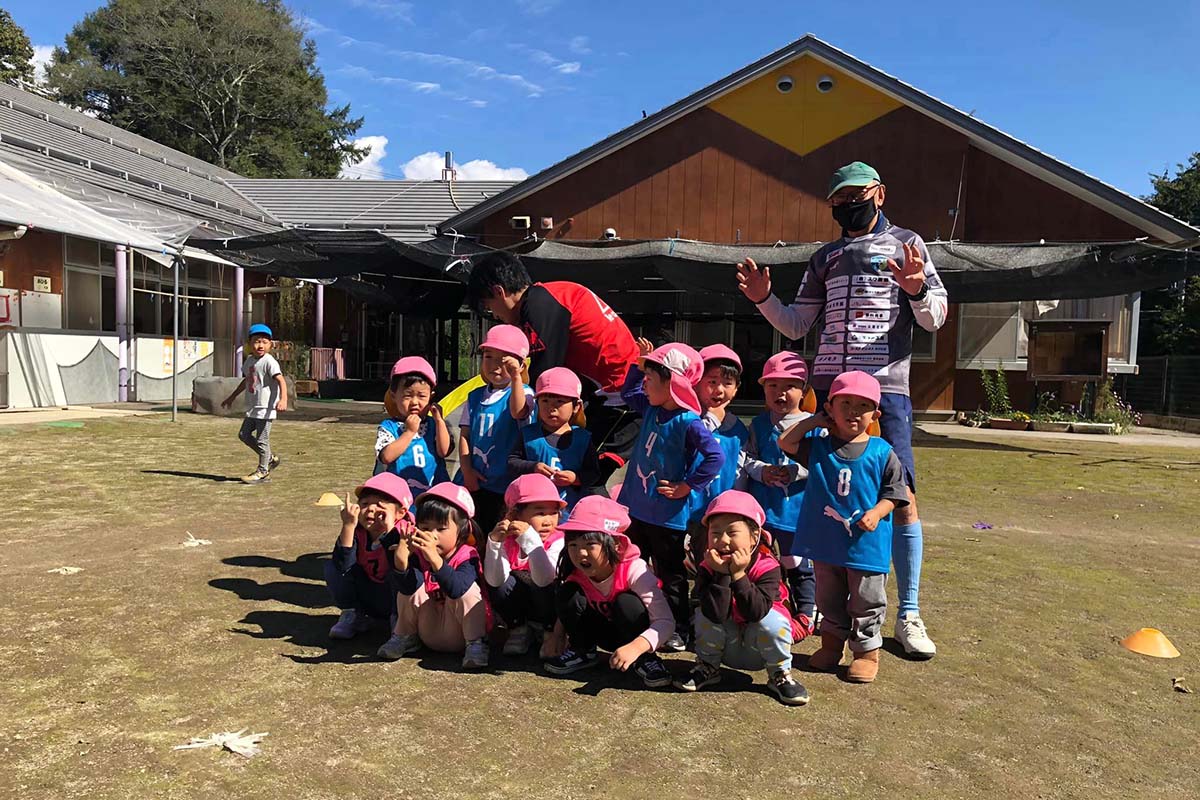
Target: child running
(776, 481)
(855, 481)
(266, 394)
(441, 603)
(521, 560)
(492, 420)
(608, 597)
(558, 447)
(673, 456)
(359, 573)
(415, 443)
(743, 619)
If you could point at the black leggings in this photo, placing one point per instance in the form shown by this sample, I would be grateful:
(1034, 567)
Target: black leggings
(624, 619)
(664, 548)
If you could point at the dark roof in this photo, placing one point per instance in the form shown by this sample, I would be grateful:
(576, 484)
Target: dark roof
(404, 210)
(78, 148)
(992, 140)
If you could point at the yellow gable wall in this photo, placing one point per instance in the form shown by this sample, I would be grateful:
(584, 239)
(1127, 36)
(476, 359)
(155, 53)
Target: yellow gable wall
(804, 119)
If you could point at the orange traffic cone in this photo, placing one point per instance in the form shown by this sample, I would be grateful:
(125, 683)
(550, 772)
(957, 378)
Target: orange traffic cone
(1150, 642)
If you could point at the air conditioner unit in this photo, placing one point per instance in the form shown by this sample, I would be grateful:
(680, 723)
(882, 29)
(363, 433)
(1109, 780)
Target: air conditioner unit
(519, 223)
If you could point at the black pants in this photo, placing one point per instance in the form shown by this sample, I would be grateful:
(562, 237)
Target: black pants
(489, 507)
(519, 600)
(664, 548)
(587, 627)
(614, 428)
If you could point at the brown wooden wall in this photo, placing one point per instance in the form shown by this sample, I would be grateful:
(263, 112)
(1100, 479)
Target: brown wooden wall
(35, 253)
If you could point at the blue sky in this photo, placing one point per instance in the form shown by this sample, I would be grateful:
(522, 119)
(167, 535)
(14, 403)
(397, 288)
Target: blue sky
(511, 86)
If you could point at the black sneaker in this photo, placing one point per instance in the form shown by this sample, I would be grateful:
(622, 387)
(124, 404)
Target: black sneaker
(675, 644)
(571, 661)
(701, 675)
(653, 672)
(789, 691)
(274, 463)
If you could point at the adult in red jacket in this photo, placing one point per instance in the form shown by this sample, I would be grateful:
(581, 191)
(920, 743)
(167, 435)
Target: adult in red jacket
(568, 326)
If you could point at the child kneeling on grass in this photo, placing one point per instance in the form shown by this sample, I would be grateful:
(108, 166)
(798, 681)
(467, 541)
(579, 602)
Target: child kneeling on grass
(441, 602)
(855, 481)
(520, 563)
(608, 597)
(743, 619)
(359, 573)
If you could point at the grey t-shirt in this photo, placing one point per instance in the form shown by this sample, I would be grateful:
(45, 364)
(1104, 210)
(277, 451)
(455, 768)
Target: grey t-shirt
(262, 390)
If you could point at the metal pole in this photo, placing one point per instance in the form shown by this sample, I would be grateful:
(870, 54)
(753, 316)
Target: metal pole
(238, 336)
(319, 335)
(177, 264)
(122, 327)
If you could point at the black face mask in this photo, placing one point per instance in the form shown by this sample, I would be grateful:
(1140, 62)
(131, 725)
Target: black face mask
(855, 216)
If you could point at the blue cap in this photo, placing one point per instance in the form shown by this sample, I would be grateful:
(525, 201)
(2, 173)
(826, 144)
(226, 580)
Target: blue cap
(259, 328)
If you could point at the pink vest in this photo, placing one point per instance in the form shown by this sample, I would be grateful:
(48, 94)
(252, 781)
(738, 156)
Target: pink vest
(459, 557)
(762, 565)
(376, 563)
(512, 550)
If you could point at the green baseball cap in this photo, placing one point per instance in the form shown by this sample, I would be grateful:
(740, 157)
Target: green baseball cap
(856, 173)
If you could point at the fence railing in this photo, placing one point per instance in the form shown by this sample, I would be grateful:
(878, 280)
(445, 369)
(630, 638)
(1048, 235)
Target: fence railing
(1167, 385)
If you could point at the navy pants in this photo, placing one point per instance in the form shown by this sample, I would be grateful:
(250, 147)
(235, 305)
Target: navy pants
(587, 627)
(519, 600)
(353, 589)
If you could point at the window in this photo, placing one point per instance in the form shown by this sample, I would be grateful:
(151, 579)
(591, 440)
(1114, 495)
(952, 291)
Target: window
(992, 332)
(83, 299)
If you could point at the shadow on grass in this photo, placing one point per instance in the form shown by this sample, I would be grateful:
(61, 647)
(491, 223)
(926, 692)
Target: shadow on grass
(204, 476)
(923, 438)
(310, 566)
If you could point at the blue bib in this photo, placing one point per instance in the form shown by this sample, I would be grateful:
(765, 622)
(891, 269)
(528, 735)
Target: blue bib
(658, 455)
(839, 491)
(782, 505)
(493, 434)
(419, 464)
(732, 442)
(569, 458)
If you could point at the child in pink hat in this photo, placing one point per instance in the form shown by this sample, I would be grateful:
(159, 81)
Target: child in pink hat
(673, 456)
(492, 420)
(855, 480)
(441, 602)
(776, 480)
(359, 572)
(607, 598)
(717, 389)
(743, 619)
(558, 446)
(520, 563)
(415, 441)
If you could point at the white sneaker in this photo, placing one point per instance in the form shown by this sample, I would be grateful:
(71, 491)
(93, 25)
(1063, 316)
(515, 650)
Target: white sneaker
(519, 639)
(398, 646)
(910, 633)
(476, 655)
(349, 624)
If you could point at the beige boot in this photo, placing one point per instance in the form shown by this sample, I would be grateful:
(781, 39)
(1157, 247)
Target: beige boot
(864, 667)
(829, 656)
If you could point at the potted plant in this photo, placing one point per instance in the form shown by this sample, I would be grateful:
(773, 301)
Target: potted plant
(1112, 415)
(999, 408)
(1051, 417)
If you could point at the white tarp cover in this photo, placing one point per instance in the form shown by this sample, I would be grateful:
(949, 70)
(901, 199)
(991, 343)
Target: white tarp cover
(26, 201)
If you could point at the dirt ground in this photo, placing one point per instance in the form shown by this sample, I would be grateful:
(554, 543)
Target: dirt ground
(155, 642)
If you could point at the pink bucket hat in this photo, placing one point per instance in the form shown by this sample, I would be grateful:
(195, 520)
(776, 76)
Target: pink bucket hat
(719, 352)
(507, 339)
(389, 484)
(417, 366)
(686, 370)
(734, 502)
(532, 488)
(857, 383)
(453, 494)
(560, 381)
(597, 513)
(786, 366)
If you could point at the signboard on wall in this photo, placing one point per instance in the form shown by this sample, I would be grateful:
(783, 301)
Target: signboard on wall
(41, 283)
(41, 310)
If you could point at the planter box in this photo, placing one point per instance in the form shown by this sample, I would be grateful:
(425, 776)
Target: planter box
(307, 388)
(1051, 427)
(1093, 427)
(1002, 424)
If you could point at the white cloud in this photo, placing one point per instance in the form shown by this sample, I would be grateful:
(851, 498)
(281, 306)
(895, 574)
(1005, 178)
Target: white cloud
(314, 27)
(371, 167)
(536, 8)
(546, 59)
(472, 69)
(568, 67)
(428, 167)
(384, 8)
(579, 46)
(420, 87)
(42, 54)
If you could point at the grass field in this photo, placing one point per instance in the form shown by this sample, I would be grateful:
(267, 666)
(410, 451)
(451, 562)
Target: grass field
(153, 643)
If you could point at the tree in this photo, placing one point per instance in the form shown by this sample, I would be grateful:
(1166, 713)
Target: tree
(233, 82)
(16, 53)
(1172, 315)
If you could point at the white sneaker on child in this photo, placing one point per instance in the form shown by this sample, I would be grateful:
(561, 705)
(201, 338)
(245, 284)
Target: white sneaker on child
(518, 641)
(910, 633)
(398, 646)
(476, 655)
(349, 624)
